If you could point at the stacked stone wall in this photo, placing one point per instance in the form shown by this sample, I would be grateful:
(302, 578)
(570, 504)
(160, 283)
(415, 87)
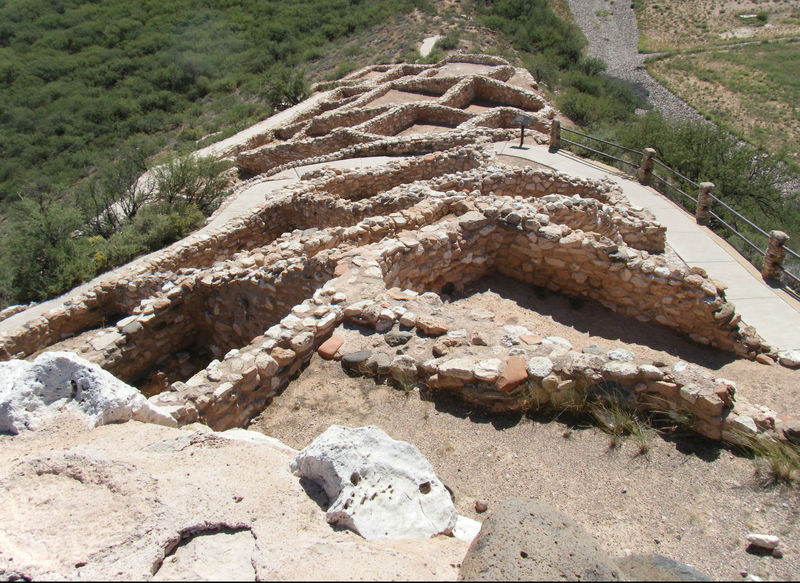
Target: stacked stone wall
(433, 86)
(494, 91)
(324, 124)
(257, 161)
(459, 95)
(402, 117)
(230, 392)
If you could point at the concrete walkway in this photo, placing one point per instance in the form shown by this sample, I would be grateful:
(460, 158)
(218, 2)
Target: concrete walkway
(775, 315)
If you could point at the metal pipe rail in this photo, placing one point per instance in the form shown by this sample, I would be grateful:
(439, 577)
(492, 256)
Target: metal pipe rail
(666, 184)
(741, 216)
(602, 141)
(584, 146)
(676, 173)
(737, 233)
(686, 194)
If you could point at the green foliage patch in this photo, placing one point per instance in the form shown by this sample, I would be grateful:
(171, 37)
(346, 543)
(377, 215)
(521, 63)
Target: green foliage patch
(53, 242)
(80, 77)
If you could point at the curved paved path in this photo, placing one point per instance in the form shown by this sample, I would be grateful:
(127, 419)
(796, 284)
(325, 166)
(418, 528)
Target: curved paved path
(775, 315)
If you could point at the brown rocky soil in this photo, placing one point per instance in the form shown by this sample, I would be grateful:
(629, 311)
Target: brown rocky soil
(686, 498)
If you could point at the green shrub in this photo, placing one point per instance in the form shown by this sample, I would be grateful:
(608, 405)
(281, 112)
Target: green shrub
(41, 255)
(195, 181)
(448, 42)
(153, 228)
(285, 87)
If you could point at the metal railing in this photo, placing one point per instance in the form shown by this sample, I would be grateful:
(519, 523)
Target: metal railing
(674, 183)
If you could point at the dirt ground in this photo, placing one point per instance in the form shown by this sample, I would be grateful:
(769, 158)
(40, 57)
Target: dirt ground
(686, 498)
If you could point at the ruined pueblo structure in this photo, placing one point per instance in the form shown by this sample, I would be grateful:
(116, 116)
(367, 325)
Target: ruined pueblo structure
(214, 326)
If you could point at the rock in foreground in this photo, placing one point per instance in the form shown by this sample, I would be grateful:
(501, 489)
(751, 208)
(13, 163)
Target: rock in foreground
(657, 568)
(32, 391)
(378, 487)
(526, 540)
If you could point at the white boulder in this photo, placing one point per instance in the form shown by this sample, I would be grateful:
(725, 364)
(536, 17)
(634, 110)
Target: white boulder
(32, 391)
(379, 487)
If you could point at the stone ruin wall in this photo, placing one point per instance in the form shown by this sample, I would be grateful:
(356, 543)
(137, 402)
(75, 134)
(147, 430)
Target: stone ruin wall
(365, 248)
(234, 389)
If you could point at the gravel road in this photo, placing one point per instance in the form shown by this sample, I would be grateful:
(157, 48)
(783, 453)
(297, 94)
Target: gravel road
(614, 38)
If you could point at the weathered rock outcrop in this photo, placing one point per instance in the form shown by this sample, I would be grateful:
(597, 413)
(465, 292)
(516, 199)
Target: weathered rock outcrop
(377, 486)
(32, 391)
(524, 540)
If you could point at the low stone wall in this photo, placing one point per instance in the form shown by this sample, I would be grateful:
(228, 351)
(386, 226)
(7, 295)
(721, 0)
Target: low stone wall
(529, 181)
(494, 91)
(254, 162)
(410, 146)
(356, 185)
(628, 281)
(437, 86)
(324, 124)
(501, 368)
(399, 118)
(503, 117)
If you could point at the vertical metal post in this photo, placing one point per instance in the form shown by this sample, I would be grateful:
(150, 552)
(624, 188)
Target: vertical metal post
(646, 167)
(521, 135)
(772, 268)
(704, 202)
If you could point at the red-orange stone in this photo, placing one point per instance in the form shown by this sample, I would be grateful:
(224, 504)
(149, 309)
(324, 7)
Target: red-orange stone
(531, 338)
(514, 373)
(329, 348)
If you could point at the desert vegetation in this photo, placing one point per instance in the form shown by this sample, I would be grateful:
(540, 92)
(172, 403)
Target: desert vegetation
(680, 24)
(94, 94)
(750, 90)
(91, 92)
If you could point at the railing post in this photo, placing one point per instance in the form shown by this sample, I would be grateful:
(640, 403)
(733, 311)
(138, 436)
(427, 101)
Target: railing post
(704, 203)
(773, 258)
(555, 135)
(646, 167)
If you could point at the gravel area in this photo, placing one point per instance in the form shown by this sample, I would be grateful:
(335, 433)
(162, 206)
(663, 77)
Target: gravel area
(614, 37)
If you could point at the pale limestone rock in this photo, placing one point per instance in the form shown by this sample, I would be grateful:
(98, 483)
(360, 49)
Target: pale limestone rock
(557, 341)
(460, 368)
(33, 391)
(540, 366)
(488, 370)
(621, 355)
(378, 487)
(215, 556)
(763, 541)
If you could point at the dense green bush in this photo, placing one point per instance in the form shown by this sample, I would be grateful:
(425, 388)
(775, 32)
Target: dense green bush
(80, 77)
(43, 255)
(48, 247)
(553, 50)
(153, 228)
(745, 177)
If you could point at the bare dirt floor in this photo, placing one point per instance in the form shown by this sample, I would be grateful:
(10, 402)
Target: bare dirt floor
(686, 497)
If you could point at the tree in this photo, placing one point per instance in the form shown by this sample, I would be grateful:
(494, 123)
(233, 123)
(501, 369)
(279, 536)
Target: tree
(285, 87)
(114, 197)
(42, 252)
(190, 180)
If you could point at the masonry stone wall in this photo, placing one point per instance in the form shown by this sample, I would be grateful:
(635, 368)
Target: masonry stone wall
(525, 374)
(350, 249)
(402, 117)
